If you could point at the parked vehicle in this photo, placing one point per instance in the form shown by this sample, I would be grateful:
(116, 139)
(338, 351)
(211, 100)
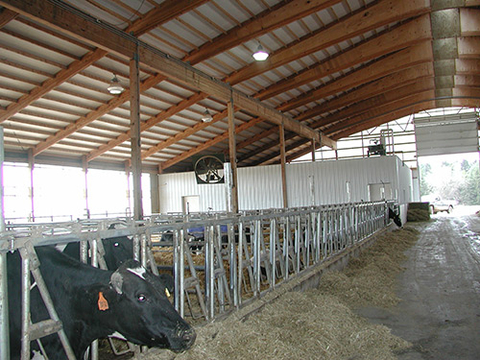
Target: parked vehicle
(438, 204)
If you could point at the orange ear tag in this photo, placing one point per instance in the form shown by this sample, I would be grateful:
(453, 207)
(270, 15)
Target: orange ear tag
(102, 302)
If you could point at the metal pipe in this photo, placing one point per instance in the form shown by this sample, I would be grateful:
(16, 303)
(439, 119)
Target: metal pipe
(209, 271)
(4, 328)
(25, 349)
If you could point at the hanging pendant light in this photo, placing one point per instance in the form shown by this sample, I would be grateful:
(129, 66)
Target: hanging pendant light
(260, 54)
(207, 117)
(115, 87)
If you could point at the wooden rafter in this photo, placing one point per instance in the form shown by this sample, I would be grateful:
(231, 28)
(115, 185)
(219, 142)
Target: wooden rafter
(267, 21)
(382, 13)
(6, 16)
(76, 67)
(409, 34)
(403, 59)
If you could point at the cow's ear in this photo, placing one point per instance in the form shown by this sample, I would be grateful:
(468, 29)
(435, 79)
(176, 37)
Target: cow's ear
(116, 281)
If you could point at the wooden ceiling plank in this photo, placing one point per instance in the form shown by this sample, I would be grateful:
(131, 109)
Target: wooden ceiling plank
(403, 59)
(101, 37)
(381, 13)
(467, 66)
(284, 13)
(6, 16)
(411, 33)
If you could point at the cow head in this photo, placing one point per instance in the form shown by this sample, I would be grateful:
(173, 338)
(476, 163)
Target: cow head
(117, 251)
(141, 311)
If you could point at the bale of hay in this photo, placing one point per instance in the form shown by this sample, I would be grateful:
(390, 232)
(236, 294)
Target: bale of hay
(418, 215)
(418, 211)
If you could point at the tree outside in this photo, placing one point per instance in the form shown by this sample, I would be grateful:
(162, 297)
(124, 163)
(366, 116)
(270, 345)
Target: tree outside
(451, 178)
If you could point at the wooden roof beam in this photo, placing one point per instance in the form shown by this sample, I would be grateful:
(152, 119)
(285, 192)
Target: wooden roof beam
(381, 13)
(145, 125)
(206, 145)
(408, 34)
(364, 121)
(93, 115)
(265, 22)
(399, 78)
(74, 68)
(403, 59)
(164, 12)
(405, 79)
(51, 83)
(6, 16)
(380, 100)
(99, 35)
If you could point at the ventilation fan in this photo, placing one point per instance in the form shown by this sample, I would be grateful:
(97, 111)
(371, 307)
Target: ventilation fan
(209, 170)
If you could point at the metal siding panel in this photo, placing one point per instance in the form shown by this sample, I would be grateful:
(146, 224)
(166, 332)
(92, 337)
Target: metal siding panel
(260, 187)
(446, 138)
(212, 197)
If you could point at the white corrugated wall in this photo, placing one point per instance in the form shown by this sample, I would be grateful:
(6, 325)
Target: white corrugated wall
(261, 187)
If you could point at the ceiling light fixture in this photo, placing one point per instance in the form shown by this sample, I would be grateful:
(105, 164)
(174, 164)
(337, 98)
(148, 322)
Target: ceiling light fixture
(115, 87)
(260, 54)
(207, 117)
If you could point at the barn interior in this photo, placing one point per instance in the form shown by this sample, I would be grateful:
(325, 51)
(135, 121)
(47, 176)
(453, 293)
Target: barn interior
(150, 86)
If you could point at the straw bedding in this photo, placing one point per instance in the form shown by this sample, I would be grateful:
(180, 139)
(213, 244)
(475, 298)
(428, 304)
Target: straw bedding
(315, 324)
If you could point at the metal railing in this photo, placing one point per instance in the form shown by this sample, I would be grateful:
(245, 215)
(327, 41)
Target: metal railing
(224, 259)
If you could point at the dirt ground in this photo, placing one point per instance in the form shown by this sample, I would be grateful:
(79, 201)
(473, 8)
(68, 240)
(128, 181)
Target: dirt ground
(440, 291)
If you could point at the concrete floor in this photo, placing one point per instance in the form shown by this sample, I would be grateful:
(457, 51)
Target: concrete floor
(440, 291)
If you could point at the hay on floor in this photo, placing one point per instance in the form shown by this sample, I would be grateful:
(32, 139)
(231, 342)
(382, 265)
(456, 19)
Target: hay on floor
(315, 324)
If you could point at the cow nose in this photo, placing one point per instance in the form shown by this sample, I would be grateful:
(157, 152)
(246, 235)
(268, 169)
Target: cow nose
(189, 336)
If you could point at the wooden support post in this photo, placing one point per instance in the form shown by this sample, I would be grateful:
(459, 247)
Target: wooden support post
(313, 150)
(155, 193)
(282, 161)
(232, 146)
(135, 139)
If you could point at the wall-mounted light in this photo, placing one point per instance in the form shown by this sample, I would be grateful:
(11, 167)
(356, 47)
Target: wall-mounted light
(115, 87)
(207, 117)
(260, 54)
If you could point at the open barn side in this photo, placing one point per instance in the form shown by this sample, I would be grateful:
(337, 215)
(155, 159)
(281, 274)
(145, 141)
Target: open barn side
(244, 257)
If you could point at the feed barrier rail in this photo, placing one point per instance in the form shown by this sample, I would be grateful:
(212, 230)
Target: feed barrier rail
(224, 259)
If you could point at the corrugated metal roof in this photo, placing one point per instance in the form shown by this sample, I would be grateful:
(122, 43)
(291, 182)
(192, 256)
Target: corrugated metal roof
(313, 47)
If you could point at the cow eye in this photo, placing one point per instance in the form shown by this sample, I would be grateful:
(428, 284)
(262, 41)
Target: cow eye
(141, 298)
(116, 244)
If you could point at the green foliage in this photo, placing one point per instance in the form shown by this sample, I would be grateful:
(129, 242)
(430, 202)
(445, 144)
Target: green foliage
(425, 187)
(458, 180)
(469, 190)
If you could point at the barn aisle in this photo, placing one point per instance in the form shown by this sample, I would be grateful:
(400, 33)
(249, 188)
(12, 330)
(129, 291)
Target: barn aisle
(440, 291)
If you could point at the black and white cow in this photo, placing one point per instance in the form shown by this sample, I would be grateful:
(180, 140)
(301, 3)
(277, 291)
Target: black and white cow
(117, 250)
(94, 303)
(395, 217)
